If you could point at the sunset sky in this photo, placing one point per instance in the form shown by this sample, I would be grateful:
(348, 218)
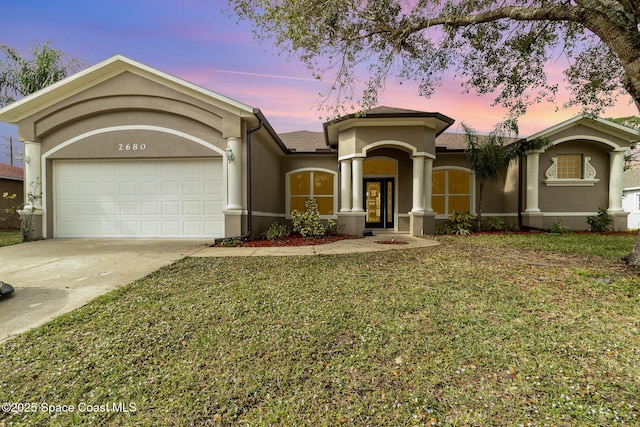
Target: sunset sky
(198, 41)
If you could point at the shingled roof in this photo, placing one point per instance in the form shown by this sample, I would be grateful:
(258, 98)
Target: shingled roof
(305, 141)
(11, 172)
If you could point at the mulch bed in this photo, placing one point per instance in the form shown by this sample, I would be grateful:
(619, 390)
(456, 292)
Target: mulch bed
(293, 240)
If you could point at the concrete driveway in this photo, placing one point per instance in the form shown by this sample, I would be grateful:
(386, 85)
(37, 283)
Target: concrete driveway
(52, 277)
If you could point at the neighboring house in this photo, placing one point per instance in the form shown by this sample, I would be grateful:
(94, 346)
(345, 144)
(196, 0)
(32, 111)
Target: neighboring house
(10, 183)
(631, 197)
(123, 150)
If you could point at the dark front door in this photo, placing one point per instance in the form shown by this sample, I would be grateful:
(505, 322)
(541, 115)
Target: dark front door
(378, 202)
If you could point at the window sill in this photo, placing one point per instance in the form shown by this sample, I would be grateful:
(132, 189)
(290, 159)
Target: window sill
(571, 182)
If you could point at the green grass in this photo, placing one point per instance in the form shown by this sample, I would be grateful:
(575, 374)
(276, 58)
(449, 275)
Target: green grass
(10, 237)
(476, 331)
(607, 245)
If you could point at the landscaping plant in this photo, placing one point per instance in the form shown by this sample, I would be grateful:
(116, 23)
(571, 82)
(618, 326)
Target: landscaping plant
(600, 222)
(308, 223)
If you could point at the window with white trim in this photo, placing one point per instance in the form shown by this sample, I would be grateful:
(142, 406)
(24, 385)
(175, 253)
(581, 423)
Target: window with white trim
(570, 170)
(315, 184)
(451, 191)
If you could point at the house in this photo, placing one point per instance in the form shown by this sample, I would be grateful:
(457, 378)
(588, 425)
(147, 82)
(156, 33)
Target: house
(631, 197)
(123, 150)
(10, 183)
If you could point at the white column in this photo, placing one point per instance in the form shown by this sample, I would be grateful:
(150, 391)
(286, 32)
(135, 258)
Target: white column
(616, 169)
(533, 167)
(345, 185)
(356, 170)
(428, 183)
(418, 184)
(234, 174)
(32, 174)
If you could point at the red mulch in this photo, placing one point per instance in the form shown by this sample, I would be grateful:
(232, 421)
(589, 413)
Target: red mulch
(294, 240)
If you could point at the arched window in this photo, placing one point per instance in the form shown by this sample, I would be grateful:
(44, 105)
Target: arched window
(317, 184)
(451, 190)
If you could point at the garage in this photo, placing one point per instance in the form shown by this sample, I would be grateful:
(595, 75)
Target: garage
(136, 198)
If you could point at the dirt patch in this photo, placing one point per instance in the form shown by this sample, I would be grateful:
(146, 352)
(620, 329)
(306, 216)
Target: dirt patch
(391, 242)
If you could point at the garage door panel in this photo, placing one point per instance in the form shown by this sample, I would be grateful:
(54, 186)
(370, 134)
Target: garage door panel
(138, 198)
(150, 208)
(108, 209)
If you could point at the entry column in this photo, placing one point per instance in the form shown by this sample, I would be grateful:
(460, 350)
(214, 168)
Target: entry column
(345, 185)
(418, 184)
(32, 214)
(234, 173)
(616, 171)
(532, 217)
(356, 169)
(32, 175)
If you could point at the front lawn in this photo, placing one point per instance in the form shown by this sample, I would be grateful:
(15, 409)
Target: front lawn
(10, 237)
(478, 331)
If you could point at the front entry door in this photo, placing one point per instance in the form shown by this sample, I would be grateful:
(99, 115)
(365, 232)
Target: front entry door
(378, 202)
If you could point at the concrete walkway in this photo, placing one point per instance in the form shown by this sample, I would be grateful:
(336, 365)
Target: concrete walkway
(52, 277)
(366, 244)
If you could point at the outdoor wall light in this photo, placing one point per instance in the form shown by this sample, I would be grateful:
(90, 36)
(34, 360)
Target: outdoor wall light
(229, 153)
(21, 157)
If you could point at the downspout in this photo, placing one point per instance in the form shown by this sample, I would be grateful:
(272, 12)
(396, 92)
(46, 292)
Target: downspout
(249, 204)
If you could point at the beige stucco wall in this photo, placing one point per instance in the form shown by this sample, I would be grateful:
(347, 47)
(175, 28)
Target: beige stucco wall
(129, 92)
(572, 198)
(355, 140)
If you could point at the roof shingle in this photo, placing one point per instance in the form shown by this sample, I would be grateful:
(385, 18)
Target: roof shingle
(11, 172)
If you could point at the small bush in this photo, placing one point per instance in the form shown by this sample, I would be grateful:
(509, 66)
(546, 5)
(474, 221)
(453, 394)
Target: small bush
(558, 228)
(308, 223)
(333, 228)
(493, 223)
(276, 231)
(458, 223)
(600, 222)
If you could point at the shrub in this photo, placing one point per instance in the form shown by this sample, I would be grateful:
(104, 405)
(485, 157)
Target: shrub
(276, 231)
(308, 223)
(558, 228)
(333, 228)
(493, 223)
(600, 222)
(458, 223)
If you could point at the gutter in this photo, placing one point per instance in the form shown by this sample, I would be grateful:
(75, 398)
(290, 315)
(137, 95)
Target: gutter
(249, 204)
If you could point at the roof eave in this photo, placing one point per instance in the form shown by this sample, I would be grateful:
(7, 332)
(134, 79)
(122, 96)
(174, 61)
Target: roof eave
(332, 128)
(102, 71)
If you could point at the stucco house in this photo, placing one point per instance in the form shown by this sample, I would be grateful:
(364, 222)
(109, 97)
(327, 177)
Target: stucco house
(123, 150)
(11, 178)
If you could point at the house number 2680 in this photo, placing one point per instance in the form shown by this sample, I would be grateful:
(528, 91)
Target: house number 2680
(132, 147)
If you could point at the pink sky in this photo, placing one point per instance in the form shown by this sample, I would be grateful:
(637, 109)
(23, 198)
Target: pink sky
(197, 41)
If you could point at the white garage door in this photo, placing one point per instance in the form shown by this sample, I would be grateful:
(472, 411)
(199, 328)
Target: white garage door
(138, 198)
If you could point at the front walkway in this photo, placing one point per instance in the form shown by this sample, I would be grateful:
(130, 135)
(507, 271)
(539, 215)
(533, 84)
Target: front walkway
(366, 244)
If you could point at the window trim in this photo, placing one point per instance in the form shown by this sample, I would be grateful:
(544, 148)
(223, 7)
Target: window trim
(334, 195)
(588, 178)
(472, 188)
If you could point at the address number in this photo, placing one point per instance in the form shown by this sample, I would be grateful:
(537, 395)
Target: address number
(132, 147)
